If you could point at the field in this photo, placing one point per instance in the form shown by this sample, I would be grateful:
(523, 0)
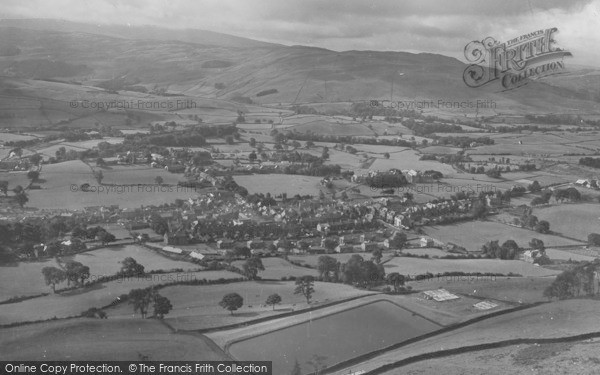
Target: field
(557, 319)
(62, 181)
(107, 261)
(137, 174)
(23, 278)
(280, 183)
(196, 307)
(336, 337)
(572, 220)
(473, 235)
(332, 128)
(508, 289)
(276, 268)
(549, 359)
(417, 266)
(103, 340)
(73, 302)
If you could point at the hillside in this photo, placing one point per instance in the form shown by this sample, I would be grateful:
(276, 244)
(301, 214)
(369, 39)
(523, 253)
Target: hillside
(211, 65)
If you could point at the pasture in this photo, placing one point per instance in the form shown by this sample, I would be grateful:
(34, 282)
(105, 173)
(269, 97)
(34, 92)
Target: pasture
(61, 188)
(474, 234)
(137, 174)
(280, 183)
(276, 268)
(196, 307)
(73, 302)
(572, 220)
(557, 319)
(107, 261)
(335, 337)
(103, 340)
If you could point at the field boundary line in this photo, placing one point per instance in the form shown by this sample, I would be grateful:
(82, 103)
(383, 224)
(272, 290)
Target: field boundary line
(367, 356)
(479, 347)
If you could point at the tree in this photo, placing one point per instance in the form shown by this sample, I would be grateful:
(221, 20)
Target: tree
(396, 280)
(252, 266)
(305, 286)
(232, 302)
(21, 198)
(398, 240)
(159, 180)
(33, 175)
(77, 272)
(229, 140)
(35, 159)
(376, 256)
(53, 276)
(534, 186)
(273, 300)
(252, 142)
(537, 244)
(594, 239)
(542, 226)
(99, 176)
(252, 156)
(330, 244)
(141, 299)
(162, 306)
(242, 251)
(100, 162)
(386, 155)
(130, 267)
(327, 265)
(106, 237)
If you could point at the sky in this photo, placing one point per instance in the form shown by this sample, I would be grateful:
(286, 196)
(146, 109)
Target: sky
(436, 26)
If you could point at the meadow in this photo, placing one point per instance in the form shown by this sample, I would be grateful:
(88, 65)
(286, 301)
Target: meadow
(335, 337)
(197, 307)
(103, 340)
(572, 220)
(276, 268)
(280, 183)
(472, 235)
(73, 302)
(558, 319)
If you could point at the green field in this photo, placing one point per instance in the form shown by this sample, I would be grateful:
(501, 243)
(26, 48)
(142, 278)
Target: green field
(336, 337)
(474, 234)
(196, 307)
(276, 268)
(103, 340)
(280, 183)
(572, 220)
(73, 302)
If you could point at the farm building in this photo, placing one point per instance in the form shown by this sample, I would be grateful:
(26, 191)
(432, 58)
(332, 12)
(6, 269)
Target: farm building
(225, 244)
(171, 249)
(196, 255)
(426, 242)
(440, 295)
(531, 255)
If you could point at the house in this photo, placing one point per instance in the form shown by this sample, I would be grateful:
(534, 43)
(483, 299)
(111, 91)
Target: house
(344, 249)
(196, 255)
(369, 247)
(531, 255)
(426, 242)
(225, 244)
(178, 238)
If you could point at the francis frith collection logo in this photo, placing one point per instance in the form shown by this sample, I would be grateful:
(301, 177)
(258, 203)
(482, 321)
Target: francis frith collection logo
(516, 62)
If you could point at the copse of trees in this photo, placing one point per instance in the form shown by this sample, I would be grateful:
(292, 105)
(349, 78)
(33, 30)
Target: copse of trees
(590, 162)
(508, 250)
(142, 298)
(576, 282)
